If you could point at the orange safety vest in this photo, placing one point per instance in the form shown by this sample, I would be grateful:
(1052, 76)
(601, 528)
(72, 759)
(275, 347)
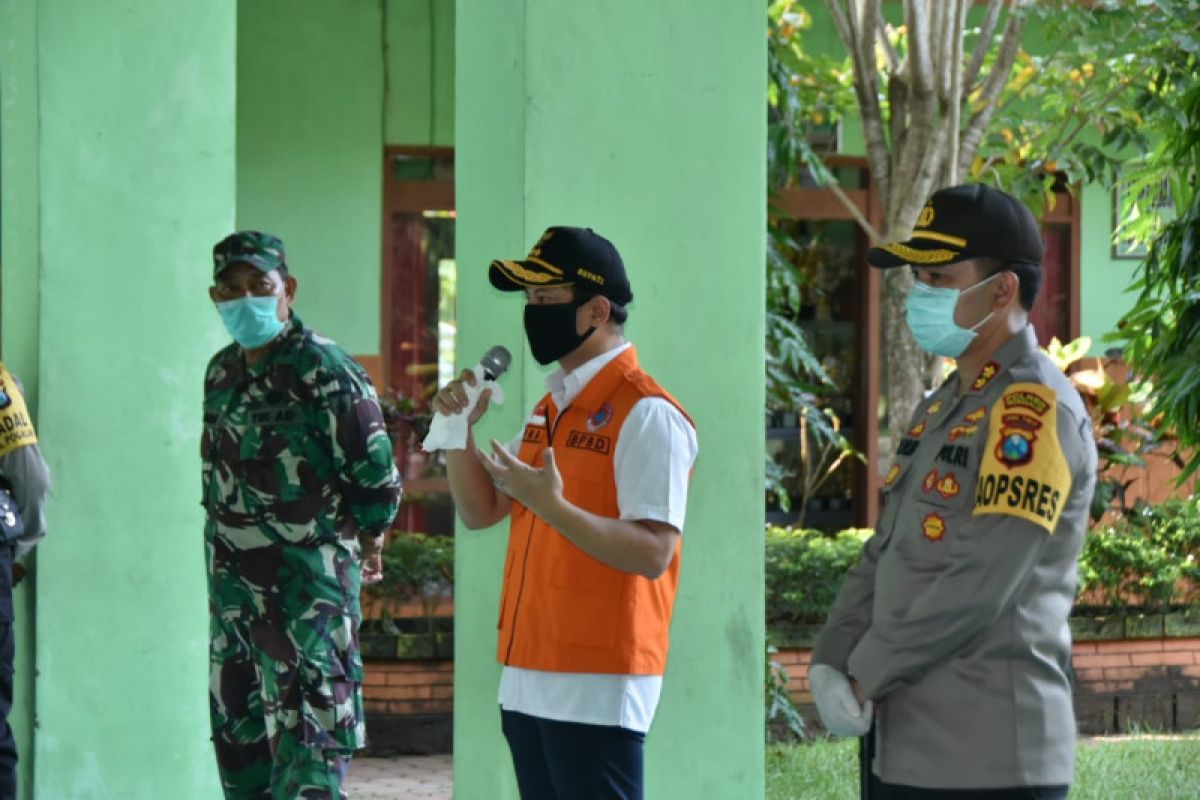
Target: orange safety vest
(562, 610)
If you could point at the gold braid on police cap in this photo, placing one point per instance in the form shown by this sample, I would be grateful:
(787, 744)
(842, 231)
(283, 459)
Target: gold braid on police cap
(913, 256)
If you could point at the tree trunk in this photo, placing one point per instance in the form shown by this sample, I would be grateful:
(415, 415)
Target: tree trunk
(904, 384)
(904, 363)
(929, 145)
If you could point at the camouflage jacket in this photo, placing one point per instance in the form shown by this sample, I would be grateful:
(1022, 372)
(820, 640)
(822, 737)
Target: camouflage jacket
(294, 449)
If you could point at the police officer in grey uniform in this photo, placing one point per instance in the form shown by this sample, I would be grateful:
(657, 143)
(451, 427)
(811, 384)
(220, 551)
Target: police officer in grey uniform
(951, 631)
(25, 481)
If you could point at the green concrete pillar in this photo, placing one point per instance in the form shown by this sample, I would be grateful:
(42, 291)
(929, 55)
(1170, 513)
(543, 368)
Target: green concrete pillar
(647, 122)
(136, 162)
(19, 297)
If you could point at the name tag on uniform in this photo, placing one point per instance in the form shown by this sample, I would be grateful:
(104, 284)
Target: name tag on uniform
(589, 441)
(274, 415)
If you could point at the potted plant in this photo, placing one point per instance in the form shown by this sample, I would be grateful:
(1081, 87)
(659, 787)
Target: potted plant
(418, 574)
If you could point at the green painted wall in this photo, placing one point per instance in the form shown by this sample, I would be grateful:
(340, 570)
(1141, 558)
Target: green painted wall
(314, 111)
(136, 163)
(1104, 297)
(19, 298)
(645, 121)
(310, 120)
(420, 60)
(18, 187)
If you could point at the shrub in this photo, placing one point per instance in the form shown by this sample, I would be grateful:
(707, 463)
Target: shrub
(1149, 558)
(784, 721)
(416, 566)
(804, 571)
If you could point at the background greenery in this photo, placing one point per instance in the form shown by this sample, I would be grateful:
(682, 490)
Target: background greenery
(1149, 558)
(1152, 768)
(417, 568)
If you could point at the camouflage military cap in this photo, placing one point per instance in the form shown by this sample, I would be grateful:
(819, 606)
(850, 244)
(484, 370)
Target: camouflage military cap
(257, 249)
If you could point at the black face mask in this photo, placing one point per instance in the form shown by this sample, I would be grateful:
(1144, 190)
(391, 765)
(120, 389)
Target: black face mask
(551, 330)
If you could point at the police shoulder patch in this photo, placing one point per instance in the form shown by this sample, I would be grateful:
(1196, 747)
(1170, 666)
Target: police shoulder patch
(1024, 471)
(16, 429)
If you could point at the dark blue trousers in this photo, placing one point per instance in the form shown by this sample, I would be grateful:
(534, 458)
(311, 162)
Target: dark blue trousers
(8, 745)
(572, 761)
(893, 791)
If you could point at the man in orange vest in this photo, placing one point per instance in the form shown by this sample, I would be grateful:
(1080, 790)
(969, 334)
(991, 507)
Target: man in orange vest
(596, 485)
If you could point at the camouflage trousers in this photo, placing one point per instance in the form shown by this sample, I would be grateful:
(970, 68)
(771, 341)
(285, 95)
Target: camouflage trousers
(283, 729)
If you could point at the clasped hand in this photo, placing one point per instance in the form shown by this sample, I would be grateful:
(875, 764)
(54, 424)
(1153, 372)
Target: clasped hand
(841, 709)
(371, 548)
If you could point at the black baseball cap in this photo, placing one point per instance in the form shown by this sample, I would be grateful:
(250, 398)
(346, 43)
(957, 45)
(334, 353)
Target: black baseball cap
(566, 256)
(963, 222)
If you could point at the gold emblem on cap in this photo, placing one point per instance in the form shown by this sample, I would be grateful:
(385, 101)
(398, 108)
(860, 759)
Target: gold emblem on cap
(536, 252)
(926, 217)
(591, 276)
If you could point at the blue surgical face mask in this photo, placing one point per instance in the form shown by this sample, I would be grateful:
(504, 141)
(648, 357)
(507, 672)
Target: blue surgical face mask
(251, 321)
(930, 316)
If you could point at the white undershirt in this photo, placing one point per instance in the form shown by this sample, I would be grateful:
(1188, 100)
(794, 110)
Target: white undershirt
(656, 448)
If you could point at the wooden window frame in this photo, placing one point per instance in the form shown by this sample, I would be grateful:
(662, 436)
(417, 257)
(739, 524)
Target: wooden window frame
(404, 196)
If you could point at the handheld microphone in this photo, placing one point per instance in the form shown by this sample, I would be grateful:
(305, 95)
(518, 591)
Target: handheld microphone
(495, 362)
(449, 432)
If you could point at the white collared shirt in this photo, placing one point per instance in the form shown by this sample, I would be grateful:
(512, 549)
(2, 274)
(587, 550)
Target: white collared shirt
(655, 450)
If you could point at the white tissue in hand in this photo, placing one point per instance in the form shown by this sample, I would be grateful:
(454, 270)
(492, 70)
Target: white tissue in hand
(449, 432)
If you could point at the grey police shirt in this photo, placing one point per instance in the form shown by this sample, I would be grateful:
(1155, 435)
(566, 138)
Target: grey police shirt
(955, 618)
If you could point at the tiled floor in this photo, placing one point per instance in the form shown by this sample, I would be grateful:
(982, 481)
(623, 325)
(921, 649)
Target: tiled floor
(402, 777)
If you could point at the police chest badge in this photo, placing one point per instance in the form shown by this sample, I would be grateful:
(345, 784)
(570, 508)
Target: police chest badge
(933, 527)
(1024, 472)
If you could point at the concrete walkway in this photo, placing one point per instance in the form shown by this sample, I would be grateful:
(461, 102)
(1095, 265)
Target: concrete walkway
(423, 777)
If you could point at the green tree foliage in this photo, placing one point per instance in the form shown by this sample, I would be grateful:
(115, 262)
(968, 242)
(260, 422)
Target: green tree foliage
(1025, 96)
(1080, 103)
(1161, 334)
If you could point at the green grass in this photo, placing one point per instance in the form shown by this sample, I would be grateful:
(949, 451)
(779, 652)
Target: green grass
(824, 769)
(1125, 768)
(1145, 768)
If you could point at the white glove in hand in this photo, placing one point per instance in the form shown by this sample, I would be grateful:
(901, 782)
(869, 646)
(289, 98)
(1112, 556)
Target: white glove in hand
(836, 702)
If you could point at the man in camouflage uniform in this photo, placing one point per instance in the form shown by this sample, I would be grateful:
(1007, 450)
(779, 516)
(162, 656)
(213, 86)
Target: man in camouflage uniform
(299, 487)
